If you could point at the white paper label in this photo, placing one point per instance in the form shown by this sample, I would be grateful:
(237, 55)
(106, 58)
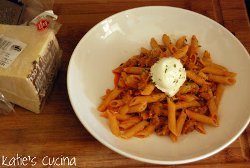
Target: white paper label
(9, 49)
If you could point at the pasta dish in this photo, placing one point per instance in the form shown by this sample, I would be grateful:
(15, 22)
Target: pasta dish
(136, 107)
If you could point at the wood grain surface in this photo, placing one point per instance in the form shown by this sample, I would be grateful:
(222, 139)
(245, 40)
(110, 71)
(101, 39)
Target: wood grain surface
(57, 132)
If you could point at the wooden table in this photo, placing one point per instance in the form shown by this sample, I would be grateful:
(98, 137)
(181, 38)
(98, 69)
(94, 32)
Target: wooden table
(57, 132)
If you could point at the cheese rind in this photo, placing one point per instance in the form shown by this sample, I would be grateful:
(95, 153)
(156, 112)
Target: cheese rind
(27, 81)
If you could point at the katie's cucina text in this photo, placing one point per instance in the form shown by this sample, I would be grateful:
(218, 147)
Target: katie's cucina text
(19, 160)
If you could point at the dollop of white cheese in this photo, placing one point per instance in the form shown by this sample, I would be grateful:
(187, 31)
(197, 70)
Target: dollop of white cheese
(168, 74)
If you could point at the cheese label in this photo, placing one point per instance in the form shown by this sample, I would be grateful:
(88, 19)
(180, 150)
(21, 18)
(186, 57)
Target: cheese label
(44, 69)
(42, 24)
(9, 50)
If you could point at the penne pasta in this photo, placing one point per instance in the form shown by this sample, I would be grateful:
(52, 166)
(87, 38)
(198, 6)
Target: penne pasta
(132, 81)
(130, 122)
(113, 123)
(148, 89)
(218, 94)
(146, 131)
(127, 97)
(180, 42)
(180, 122)
(213, 109)
(206, 58)
(122, 117)
(181, 52)
(173, 137)
(197, 79)
(121, 83)
(172, 48)
(189, 87)
(116, 103)
(218, 71)
(135, 129)
(187, 97)
(144, 51)
(218, 66)
(200, 128)
(104, 114)
(153, 43)
(149, 99)
(203, 75)
(137, 108)
(118, 69)
(166, 40)
(184, 104)
(106, 101)
(171, 116)
(193, 49)
(221, 79)
(156, 52)
(123, 109)
(134, 70)
(201, 118)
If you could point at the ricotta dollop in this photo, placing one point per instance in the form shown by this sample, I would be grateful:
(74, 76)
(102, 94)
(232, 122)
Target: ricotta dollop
(168, 75)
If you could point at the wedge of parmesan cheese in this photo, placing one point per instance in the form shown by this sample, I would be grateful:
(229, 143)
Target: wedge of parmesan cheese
(29, 61)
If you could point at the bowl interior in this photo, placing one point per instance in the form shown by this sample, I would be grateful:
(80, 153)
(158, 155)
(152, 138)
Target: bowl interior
(117, 38)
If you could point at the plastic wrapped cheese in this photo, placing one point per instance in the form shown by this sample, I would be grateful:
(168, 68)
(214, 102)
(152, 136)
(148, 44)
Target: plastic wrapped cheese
(29, 60)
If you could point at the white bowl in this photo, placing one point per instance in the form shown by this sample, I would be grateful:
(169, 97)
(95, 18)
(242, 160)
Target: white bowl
(115, 39)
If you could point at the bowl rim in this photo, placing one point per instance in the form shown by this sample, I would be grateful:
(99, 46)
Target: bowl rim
(131, 156)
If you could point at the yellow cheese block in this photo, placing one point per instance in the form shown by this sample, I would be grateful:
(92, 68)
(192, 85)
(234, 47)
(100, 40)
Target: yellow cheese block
(28, 79)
